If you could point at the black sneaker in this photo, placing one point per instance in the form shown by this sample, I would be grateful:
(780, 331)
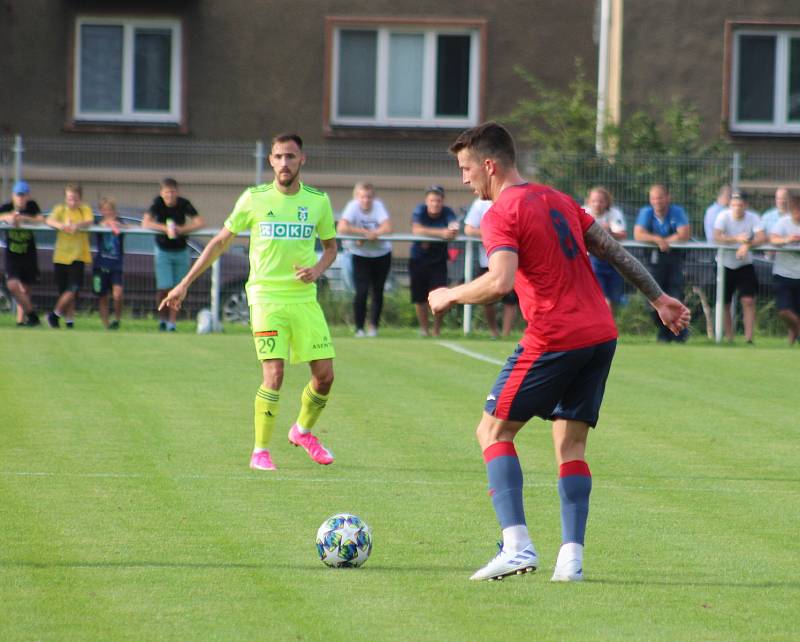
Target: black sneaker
(162, 326)
(52, 320)
(70, 325)
(114, 325)
(33, 320)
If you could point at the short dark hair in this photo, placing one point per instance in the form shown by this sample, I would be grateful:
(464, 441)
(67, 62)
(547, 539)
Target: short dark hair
(171, 183)
(286, 137)
(488, 140)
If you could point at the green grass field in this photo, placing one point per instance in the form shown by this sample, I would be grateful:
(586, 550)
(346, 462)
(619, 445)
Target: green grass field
(128, 512)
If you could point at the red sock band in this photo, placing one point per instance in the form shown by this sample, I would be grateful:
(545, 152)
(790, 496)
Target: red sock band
(499, 449)
(574, 467)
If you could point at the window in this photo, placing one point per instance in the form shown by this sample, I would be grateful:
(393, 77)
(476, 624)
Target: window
(127, 70)
(765, 81)
(405, 76)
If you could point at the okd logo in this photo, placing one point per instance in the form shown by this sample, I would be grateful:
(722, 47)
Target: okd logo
(286, 230)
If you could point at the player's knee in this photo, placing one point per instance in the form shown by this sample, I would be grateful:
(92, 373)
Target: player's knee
(323, 381)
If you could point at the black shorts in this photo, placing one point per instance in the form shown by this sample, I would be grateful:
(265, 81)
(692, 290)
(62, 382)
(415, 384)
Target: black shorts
(426, 277)
(552, 385)
(741, 279)
(103, 279)
(509, 299)
(787, 293)
(22, 269)
(69, 278)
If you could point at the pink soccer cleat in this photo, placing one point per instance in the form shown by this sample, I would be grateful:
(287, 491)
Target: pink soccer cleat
(315, 450)
(262, 461)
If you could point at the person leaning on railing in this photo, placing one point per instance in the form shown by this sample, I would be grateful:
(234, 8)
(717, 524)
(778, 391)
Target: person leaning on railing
(663, 223)
(786, 270)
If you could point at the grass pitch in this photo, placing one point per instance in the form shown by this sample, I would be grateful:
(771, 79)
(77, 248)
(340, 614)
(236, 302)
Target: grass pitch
(127, 511)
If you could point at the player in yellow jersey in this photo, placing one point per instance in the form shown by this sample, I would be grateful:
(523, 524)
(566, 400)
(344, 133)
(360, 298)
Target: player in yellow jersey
(284, 219)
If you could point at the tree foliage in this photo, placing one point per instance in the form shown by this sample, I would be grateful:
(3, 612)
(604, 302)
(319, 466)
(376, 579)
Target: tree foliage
(662, 144)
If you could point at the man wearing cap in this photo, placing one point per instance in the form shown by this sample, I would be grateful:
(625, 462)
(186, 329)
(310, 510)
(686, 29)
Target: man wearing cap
(428, 263)
(22, 268)
(742, 228)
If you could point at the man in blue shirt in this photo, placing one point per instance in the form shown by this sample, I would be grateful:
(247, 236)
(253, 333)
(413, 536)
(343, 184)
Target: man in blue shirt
(428, 263)
(663, 224)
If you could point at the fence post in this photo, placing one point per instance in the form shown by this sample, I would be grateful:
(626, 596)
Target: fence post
(216, 324)
(468, 263)
(719, 307)
(259, 155)
(18, 149)
(736, 171)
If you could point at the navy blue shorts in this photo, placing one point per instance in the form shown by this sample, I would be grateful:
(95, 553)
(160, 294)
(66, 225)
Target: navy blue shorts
(552, 385)
(104, 279)
(787, 293)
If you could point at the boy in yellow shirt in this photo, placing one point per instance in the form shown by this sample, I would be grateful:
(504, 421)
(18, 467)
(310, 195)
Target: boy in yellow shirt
(71, 252)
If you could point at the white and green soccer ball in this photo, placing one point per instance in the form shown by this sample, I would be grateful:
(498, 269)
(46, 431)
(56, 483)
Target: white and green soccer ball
(344, 540)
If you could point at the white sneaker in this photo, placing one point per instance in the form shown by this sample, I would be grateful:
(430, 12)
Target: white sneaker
(372, 332)
(509, 563)
(360, 334)
(569, 565)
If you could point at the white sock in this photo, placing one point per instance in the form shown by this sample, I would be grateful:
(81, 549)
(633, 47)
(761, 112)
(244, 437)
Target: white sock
(570, 551)
(260, 450)
(515, 538)
(301, 429)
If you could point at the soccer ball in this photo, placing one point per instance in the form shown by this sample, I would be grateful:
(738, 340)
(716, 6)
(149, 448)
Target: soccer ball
(344, 540)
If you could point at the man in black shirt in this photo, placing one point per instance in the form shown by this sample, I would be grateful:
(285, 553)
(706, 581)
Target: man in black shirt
(22, 268)
(175, 217)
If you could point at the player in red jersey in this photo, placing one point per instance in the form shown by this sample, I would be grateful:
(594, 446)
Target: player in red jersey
(537, 240)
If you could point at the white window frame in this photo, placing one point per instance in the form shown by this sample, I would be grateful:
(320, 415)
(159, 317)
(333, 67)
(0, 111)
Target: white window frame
(127, 113)
(429, 117)
(779, 123)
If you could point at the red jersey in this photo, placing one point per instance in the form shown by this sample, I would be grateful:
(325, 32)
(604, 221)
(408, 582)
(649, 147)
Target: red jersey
(558, 292)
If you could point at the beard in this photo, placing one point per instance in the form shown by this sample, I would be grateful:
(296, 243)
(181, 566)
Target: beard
(285, 179)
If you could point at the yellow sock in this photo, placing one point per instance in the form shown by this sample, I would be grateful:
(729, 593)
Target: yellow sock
(311, 405)
(266, 410)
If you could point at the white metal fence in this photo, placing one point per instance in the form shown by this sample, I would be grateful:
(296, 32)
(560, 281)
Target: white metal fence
(221, 287)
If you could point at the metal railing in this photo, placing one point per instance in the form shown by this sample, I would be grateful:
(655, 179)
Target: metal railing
(713, 265)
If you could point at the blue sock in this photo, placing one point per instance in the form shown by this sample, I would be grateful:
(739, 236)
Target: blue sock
(574, 488)
(505, 483)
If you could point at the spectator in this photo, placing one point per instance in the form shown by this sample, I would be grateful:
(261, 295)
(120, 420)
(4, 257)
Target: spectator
(107, 270)
(663, 224)
(722, 202)
(472, 227)
(71, 252)
(600, 205)
(428, 263)
(22, 267)
(372, 258)
(781, 209)
(786, 270)
(741, 227)
(175, 217)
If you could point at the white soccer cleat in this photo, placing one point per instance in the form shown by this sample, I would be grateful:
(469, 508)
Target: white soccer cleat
(569, 565)
(509, 563)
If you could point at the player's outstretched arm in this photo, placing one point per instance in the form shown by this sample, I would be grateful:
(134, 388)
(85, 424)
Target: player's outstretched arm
(487, 288)
(216, 247)
(672, 312)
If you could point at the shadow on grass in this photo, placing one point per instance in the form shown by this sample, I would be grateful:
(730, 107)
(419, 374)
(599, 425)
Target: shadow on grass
(126, 565)
(696, 583)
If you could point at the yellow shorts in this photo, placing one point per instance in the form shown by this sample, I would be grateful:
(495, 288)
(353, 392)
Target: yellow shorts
(294, 331)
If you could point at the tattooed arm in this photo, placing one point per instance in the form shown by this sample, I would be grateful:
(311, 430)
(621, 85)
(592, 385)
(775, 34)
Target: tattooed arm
(673, 313)
(600, 243)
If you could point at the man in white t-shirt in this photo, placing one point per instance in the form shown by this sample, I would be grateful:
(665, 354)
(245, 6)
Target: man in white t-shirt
(472, 227)
(740, 227)
(600, 204)
(366, 216)
(786, 271)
